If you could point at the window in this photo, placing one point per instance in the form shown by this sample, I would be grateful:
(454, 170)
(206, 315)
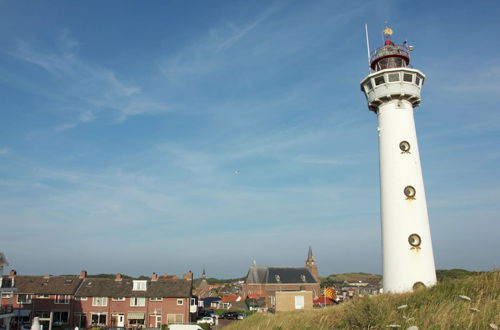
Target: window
(60, 318)
(409, 192)
(99, 301)
(139, 285)
(368, 86)
(404, 146)
(417, 80)
(42, 314)
(42, 296)
(421, 79)
(6, 295)
(174, 318)
(379, 80)
(414, 240)
(118, 299)
(137, 301)
(408, 77)
(156, 299)
(135, 322)
(393, 77)
(98, 319)
(62, 299)
(180, 301)
(299, 302)
(24, 299)
(81, 298)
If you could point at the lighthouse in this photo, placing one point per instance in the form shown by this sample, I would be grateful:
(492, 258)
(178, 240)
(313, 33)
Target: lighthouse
(392, 89)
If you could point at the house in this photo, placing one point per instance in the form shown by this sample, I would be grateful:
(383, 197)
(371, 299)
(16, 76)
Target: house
(7, 290)
(132, 303)
(48, 297)
(69, 301)
(267, 281)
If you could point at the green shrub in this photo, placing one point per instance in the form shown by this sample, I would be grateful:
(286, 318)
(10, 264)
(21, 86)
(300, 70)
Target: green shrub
(205, 326)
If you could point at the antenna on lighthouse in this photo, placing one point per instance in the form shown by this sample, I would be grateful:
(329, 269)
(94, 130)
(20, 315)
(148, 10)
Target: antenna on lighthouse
(367, 46)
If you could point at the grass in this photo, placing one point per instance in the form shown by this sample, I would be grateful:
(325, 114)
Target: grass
(439, 307)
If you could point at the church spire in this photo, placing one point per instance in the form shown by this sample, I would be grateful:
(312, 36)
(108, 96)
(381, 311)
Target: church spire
(310, 254)
(311, 264)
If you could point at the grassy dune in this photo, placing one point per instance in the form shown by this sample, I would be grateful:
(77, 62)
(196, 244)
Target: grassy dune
(444, 306)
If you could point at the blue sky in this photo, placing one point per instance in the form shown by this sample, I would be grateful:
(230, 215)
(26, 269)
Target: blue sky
(164, 136)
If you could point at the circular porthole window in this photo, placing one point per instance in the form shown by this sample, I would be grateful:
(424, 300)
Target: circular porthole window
(414, 240)
(404, 146)
(418, 286)
(409, 192)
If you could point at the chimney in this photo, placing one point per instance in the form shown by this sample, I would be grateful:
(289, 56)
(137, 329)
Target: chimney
(12, 273)
(188, 276)
(83, 274)
(118, 277)
(154, 277)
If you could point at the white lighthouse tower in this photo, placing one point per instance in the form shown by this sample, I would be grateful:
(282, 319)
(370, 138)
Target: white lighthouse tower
(392, 90)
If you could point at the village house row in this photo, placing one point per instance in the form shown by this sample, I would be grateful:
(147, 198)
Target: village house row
(82, 301)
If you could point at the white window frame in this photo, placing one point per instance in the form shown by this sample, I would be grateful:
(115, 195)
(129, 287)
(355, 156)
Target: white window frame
(156, 299)
(139, 285)
(180, 302)
(157, 321)
(99, 301)
(65, 299)
(135, 302)
(28, 297)
(118, 299)
(174, 318)
(82, 298)
(299, 302)
(42, 296)
(6, 295)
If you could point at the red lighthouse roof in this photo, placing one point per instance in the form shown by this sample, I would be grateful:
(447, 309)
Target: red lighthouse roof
(390, 55)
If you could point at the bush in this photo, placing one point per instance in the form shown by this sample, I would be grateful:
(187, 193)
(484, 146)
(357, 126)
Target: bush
(205, 326)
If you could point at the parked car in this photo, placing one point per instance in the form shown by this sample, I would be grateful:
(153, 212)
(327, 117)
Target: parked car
(207, 312)
(241, 316)
(206, 319)
(229, 315)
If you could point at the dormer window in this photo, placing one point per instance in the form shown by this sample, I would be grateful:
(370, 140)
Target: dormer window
(139, 285)
(277, 277)
(303, 278)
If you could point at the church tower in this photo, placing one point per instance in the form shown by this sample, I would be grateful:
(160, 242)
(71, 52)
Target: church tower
(311, 264)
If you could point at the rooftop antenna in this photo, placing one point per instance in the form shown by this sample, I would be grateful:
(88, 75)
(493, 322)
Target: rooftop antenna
(367, 46)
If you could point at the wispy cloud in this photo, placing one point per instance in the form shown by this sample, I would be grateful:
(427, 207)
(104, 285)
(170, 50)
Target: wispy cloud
(204, 55)
(83, 88)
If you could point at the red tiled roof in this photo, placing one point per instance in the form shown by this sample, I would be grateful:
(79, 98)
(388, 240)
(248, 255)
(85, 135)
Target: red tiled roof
(231, 298)
(256, 295)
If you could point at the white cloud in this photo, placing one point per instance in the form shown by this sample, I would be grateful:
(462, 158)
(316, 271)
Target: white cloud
(85, 90)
